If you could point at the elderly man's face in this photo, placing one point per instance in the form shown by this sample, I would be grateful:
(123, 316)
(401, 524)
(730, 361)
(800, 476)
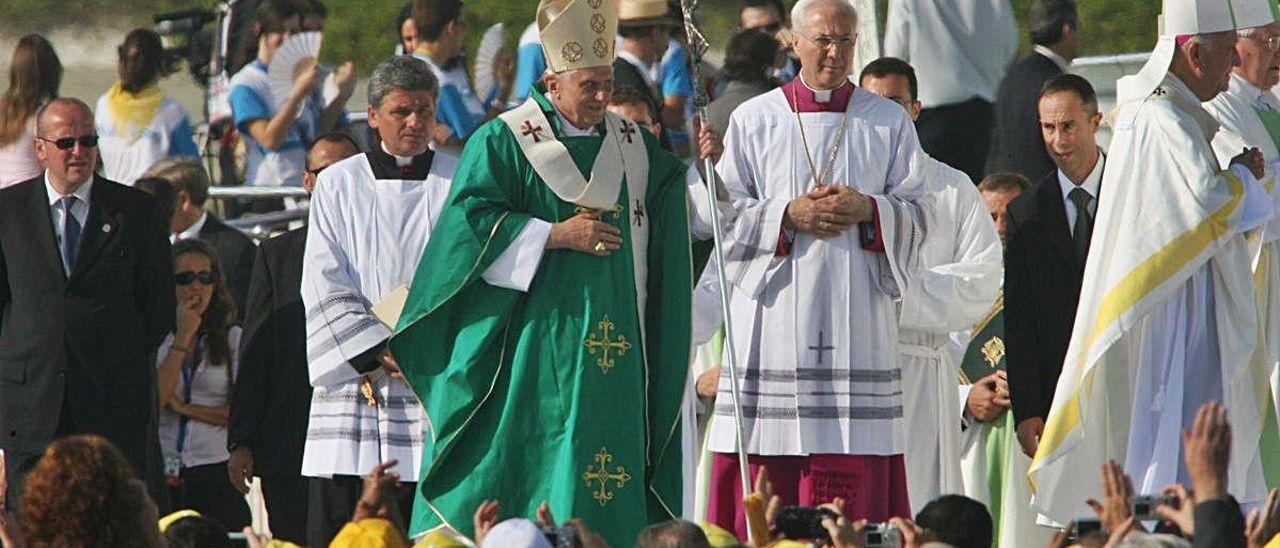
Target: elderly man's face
(824, 42)
(998, 204)
(1069, 130)
(323, 155)
(405, 121)
(896, 88)
(582, 95)
(639, 113)
(60, 124)
(1260, 56)
(1214, 59)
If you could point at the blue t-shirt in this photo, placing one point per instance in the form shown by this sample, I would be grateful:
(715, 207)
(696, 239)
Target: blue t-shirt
(251, 99)
(458, 107)
(530, 63)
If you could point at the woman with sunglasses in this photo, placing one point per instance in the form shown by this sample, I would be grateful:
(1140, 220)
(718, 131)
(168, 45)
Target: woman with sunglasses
(138, 123)
(35, 73)
(196, 369)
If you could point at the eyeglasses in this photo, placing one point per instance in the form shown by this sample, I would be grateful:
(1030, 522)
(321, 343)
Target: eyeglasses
(827, 42)
(316, 172)
(65, 143)
(189, 277)
(1270, 42)
(770, 29)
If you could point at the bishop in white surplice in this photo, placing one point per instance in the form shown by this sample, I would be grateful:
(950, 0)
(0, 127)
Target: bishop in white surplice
(1167, 318)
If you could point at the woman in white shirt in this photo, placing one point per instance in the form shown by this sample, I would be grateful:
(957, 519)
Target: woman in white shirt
(196, 369)
(35, 74)
(138, 124)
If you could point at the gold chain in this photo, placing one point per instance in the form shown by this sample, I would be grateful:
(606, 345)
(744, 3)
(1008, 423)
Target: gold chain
(804, 140)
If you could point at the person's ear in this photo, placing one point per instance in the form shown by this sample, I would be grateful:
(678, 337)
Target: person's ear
(372, 115)
(915, 109)
(1067, 31)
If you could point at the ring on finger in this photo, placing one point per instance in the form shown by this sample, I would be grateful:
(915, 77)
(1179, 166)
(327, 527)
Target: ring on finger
(600, 247)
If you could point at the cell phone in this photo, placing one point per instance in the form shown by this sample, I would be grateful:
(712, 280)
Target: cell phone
(1087, 526)
(803, 522)
(883, 535)
(1144, 506)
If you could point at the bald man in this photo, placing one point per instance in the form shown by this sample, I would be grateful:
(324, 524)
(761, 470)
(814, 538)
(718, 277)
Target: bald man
(86, 295)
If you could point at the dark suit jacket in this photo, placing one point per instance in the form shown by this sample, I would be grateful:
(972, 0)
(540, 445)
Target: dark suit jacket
(235, 256)
(1042, 277)
(1017, 144)
(271, 400)
(1219, 524)
(90, 339)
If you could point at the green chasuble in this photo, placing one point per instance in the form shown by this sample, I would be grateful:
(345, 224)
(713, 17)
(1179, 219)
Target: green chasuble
(557, 393)
(986, 355)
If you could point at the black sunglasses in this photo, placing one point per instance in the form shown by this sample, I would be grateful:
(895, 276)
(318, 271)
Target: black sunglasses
(770, 29)
(65, 143)
(189, 277)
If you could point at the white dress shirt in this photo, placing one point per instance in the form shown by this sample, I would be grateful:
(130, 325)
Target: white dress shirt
(960, 49)
(56, 212)
(192, 232)
(1091, 185)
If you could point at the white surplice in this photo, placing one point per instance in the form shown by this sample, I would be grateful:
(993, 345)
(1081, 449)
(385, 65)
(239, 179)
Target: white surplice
(815, 330)
(1167, 317)
(961, 270)
(365, 238)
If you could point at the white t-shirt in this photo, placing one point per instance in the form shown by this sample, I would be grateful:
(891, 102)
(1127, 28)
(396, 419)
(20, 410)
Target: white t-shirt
(203, 443)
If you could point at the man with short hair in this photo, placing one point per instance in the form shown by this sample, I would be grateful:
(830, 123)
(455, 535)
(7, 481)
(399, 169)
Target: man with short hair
(371, 216)
(86, 297)
(271, 399)
(1249, 113)
(827, 237)
(547, 331)
(961, 51)
(770, 17)
(958, 281)
(1016, 144)
(441, 35)
(748, 63)
(998, 189)
(1167, 318)
(191, 220)
(676, 533)
(956, 521)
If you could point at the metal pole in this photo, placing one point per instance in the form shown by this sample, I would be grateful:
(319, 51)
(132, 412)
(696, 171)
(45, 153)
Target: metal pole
(697, 48)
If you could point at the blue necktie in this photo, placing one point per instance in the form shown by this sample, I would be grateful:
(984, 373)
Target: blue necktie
(70, 233)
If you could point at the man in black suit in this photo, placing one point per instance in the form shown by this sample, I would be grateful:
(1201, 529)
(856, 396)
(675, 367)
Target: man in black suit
(190, 221)
(271, 400)
(1016, 145)
(86, 296)
(1048, 236)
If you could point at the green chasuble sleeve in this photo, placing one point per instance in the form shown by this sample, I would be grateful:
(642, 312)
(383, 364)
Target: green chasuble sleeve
(557, 393)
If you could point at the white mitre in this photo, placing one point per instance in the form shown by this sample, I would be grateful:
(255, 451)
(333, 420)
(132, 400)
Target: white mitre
(577, 34)
(1181, 18)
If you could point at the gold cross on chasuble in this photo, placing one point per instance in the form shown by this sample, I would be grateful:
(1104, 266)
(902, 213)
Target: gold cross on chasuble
(597, 477)
(604, 344)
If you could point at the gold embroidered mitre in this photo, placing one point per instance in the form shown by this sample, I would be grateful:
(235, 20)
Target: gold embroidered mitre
(577, 34)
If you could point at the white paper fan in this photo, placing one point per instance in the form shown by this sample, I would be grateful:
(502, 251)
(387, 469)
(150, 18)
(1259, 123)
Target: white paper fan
(298, 52)
(487, 60)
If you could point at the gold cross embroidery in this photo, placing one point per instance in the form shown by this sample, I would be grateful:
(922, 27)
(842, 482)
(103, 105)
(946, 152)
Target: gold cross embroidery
(604, 344)
(596, 472)
(993, 351)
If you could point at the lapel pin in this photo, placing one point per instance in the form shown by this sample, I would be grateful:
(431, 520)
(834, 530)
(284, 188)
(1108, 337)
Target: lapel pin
(106, 227)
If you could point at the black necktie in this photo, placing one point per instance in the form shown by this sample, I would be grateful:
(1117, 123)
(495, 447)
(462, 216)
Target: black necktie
(70, 233)
(1084, 221)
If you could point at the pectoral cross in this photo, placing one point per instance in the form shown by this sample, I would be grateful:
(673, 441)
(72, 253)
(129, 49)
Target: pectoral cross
(597, 477)
(604, 344)
(530, 129)
(628, 129)
(639, 209)
(820, 348)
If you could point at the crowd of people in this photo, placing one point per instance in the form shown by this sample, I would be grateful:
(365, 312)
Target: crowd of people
(954, 318)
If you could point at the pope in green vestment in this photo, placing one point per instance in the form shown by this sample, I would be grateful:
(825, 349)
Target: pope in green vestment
(563, 393)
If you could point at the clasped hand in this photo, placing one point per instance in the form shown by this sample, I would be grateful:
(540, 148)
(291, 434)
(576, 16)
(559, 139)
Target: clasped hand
(828, 210)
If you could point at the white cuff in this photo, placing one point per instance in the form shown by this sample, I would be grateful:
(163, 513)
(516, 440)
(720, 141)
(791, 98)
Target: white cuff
(515, 268)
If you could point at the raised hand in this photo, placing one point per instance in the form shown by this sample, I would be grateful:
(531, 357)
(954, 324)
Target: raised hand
(1117, 498)
(1207, 450)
